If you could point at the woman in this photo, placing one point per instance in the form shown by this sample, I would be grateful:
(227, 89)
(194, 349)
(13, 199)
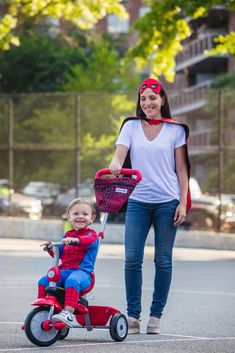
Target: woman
(156, 145)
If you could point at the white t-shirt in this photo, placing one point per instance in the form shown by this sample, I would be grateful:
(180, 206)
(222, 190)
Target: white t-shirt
(155, 159)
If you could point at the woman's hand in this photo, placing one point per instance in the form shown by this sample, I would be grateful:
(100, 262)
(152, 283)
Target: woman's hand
(115, 169)
(180, 214)
(118, 159)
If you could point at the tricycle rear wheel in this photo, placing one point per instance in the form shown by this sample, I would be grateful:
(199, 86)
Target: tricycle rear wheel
(118, 327)
(64, 333)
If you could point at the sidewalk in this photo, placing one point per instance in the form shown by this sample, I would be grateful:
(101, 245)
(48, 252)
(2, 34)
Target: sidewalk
(29, 248)
(114, 234)
(13, 227)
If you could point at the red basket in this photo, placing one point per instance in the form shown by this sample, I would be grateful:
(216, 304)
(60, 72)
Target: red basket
(113, 192)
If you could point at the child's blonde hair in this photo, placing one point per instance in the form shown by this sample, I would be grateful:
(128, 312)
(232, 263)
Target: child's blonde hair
(80, 201)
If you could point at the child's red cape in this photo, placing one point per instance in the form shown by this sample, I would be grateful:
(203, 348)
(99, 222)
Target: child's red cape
(127, 162)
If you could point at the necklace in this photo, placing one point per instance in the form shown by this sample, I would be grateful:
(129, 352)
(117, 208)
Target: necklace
(151, 131)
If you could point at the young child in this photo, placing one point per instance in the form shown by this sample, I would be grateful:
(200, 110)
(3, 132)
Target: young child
(77, 261)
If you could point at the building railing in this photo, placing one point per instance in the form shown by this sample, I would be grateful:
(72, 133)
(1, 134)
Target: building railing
(189, 99)
(200, 142)
(200, 137)
(204, 141)
(229, 136)
(193, 52)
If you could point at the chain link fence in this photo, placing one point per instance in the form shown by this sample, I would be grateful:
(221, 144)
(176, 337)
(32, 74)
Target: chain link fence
(51, 146)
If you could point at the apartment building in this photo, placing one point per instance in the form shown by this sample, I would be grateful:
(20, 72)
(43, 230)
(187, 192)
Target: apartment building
(117, 27)
(195, 73)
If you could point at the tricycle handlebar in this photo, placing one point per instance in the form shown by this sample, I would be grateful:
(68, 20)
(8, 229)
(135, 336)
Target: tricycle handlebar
(124, 171)
(58, 243)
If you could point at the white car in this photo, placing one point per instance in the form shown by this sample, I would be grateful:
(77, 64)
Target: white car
(17, 204)
(204, 213)
(45, 191)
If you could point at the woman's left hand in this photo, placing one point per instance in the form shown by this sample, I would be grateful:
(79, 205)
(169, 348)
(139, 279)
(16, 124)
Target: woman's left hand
(180, 214)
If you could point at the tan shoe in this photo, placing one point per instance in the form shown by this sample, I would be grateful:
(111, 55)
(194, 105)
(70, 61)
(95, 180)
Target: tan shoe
(133, 325)
(153, 325)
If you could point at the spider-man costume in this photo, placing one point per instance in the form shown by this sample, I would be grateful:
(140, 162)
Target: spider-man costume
(77, 264)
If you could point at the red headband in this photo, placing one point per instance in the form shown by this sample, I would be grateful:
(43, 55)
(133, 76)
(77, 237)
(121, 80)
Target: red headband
(151, 83)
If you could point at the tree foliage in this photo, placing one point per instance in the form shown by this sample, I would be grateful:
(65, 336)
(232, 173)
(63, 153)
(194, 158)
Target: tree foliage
(39, 64)
(83, 14)
(50, 122)
(162, 30)
(225, 44)
(225, 81)
(103, 70)
(91, 88)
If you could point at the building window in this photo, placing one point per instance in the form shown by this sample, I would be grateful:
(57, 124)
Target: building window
(117, 26)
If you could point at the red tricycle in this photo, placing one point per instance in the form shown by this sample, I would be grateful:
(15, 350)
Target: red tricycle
(111, 193)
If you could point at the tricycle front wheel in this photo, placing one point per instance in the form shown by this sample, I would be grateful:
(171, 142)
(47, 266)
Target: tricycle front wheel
(34, 328)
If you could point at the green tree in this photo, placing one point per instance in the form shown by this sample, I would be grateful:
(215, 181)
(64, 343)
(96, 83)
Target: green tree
(104, 73)
(39, 64)
(224, 81)
(162, 30)
(83, 14)
(103, 70)
(47, 122)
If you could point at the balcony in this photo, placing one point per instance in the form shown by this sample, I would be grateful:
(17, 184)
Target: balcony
(200, 142)
(193, 54)
(189, 99)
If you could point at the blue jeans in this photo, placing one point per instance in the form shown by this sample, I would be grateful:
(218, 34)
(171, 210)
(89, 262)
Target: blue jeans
(139, 218)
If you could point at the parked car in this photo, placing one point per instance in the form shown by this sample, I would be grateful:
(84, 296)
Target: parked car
(17, 204)
(86, 190)
(204, 213)
(228, 210)
(62, 202)
(45, 191)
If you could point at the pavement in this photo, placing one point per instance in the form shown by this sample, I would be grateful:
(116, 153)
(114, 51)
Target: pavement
(32, 247)
(199, 316)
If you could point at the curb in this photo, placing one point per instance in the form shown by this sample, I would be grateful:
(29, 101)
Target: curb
(16, 227)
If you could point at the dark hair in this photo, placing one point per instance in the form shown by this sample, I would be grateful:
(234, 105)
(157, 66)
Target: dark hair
(165, 108)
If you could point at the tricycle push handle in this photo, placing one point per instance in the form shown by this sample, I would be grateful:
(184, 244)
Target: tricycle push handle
(124, 171)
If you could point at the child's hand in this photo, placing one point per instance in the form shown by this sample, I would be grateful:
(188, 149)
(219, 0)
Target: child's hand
(70, 241)
(45, 245)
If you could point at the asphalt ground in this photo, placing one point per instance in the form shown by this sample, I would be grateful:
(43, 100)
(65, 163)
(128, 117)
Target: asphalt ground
(199, 316)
